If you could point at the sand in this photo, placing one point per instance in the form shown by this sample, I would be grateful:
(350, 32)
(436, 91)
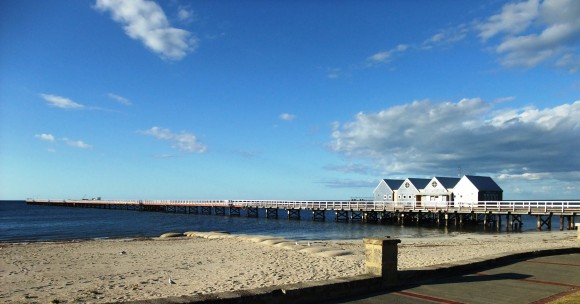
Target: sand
(102, 271)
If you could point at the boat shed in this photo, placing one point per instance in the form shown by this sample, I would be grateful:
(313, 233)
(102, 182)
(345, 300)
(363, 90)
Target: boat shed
(470, 189)
(409, 193)
(386, 190)
(439, 191)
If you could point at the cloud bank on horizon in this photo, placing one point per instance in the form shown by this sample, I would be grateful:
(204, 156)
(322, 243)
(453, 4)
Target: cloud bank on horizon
(429, 138)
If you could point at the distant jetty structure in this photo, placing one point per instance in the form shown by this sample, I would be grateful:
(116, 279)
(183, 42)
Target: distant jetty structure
(488, 213)
(439, 200)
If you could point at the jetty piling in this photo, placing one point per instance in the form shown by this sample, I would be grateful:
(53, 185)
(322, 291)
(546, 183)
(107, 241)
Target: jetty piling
(294, 214)
(544, 220)
(219, 210)
(252, 211)
(341, 216)
(206, 210)
(235, 211)
(272, 213)
(319, 215)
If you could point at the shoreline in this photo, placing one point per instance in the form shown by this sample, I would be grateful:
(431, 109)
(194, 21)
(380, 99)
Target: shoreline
(449, 234)
(113, 270)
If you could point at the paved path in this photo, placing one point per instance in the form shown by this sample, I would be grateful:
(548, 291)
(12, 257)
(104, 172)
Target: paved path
(535, 280)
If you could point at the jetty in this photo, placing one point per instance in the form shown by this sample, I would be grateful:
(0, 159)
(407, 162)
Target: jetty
(488, 213)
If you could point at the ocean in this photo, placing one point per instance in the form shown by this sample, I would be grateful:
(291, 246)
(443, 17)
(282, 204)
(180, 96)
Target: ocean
(20, 222)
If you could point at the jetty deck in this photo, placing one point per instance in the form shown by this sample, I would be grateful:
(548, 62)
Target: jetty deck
(488, 213)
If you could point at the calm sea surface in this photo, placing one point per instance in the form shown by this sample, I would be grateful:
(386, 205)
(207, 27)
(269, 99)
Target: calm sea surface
(22, 222)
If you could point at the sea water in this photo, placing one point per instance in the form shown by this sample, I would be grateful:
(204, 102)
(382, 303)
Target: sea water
(21, 222)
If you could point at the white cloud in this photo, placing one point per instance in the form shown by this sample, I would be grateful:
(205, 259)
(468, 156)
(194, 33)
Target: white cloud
(61, 102)
(386, 56)
(77, 143)
(352, 168)
(570, 62)
(119, 99)
(333, 73)
(185, 14)
(52, 139)
(348, 183)
(524, 176)
(183, 141)
(436, 138)
(533, 31)
(447, 36)
(504, 99)
(45, 137)
(287, 117)
(513, 19)
(145, 21)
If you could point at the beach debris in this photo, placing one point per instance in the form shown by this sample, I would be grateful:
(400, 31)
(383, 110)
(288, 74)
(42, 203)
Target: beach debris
(273, 241)
(210, 234)
(285, 244)
(334, 253)
(171, 282)
(170, 234)
(123, 252)
(313, 249)
(296, 243)
(309, 244)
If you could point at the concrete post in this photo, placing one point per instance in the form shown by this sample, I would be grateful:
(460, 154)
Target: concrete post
(578, 227)
(381, 257)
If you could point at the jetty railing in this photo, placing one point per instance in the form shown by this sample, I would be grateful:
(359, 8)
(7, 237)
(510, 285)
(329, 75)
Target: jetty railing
(369, 205)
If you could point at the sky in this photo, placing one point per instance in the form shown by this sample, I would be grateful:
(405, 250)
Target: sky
(294, 100)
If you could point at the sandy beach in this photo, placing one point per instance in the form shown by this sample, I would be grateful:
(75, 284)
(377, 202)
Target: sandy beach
(102, 271)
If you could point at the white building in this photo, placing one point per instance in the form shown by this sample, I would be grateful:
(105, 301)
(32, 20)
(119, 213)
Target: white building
(409, 193)
(439, 191)
(471, 189)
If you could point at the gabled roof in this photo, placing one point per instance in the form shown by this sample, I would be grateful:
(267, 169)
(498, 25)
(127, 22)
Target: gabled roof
(483, 183)
(419, 183)
(394, 184)
(448, 182)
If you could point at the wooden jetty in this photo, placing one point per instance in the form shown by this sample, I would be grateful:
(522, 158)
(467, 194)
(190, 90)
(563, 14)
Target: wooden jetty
(488, 213)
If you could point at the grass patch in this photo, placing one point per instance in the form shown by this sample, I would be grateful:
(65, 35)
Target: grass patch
(573, 298)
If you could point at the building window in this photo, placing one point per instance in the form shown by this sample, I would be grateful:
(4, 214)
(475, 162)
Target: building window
(385, 196)
(390, 197)
(399, 196)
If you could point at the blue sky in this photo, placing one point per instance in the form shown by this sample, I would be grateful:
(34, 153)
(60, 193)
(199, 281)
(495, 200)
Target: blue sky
(286, 99)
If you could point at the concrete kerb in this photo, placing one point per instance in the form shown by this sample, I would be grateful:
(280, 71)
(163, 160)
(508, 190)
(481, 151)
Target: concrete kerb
(349, 287)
